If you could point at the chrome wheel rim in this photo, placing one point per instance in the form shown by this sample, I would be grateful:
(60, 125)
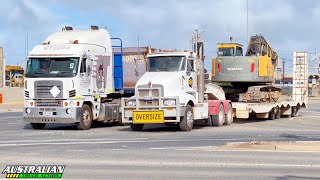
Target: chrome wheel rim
(229, 115)
(86, 117)
(221, 114)
(189, 118)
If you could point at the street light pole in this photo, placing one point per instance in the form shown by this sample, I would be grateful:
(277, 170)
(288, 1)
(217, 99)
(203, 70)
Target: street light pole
(283, 65)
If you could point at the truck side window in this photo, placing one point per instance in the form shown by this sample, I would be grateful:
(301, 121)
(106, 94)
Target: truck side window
(190, 65)
(83, 68)
(239, 51)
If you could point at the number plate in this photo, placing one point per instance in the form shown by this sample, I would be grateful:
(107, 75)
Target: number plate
(142, 117)
(47, 113)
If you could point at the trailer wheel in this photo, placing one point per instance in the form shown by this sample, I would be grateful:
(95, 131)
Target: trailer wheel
(294, 111)
(136, 127)
(278, 115)
(38, 125)
(209, 121)
(218, 120)
(229, 116)
(187, 121)
(85, 119)
(272, 114)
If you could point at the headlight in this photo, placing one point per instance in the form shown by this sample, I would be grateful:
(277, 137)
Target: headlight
(131, 103)
(68, 111)
(26, 103)
(169, 102)
(28, 111)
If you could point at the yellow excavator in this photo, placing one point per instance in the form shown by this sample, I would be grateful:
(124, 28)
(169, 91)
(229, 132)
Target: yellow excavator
(14, 76)
(252, 73)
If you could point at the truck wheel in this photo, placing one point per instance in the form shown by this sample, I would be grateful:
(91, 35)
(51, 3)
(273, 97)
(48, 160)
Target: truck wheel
(38, 125)
(278, 115)
(187, 121)
(294, 111)
(136, 127)
(85, 119)
(272, 114)
(118, 122)
(218, 120)
(229, 116)
(209, 121)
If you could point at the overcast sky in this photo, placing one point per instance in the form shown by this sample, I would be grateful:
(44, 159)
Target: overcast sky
(289, 25)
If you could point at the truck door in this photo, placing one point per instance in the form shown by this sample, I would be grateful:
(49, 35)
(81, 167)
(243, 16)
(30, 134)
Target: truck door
(191, 78)
(85, 75)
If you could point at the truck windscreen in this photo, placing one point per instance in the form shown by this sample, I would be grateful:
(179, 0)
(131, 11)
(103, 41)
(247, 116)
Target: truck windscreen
(166, 63)
(226, 51)
(52, 67)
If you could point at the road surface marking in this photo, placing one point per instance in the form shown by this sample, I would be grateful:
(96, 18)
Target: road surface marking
(80, 141)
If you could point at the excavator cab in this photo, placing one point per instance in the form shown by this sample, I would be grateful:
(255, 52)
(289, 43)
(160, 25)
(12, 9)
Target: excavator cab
(229, 49)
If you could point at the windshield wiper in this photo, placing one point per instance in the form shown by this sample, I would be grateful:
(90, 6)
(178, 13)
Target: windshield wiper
(63, 72)
(35, 73)
(163, 69)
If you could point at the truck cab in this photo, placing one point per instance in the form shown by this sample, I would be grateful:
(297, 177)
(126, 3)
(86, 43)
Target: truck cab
(69, 77)
(167, 93)
(229, 49)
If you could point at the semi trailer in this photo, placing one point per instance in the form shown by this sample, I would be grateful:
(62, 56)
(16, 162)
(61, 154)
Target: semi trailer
(75, 76)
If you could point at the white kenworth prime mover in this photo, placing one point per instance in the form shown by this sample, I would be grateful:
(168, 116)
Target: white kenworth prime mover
(174, 90)
(74, 77)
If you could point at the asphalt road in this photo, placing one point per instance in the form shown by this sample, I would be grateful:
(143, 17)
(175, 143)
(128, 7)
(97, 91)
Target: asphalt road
(160, 152)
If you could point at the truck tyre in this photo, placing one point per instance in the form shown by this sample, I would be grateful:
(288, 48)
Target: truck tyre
(218, 120)
(136, 127)
(209, 121)
(229, 116)
(118, 122)
(187, 121)
(38, 125)
(85, 119)
(278, 115)
(294, 111)
(272, 114)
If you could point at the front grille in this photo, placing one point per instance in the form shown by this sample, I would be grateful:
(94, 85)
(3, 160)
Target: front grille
(149, 93)
(149, 96)
(26, 94)
(72, 93)
(43, 88)
(154, 102)
(49, 103)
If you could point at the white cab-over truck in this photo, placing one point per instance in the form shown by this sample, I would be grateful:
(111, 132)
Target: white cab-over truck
(174, 91)
(73, 77)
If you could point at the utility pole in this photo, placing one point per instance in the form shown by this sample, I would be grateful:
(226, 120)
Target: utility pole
(317, 59)
(247, 21)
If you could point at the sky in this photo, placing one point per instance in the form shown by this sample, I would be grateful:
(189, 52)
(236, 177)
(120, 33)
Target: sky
(289, 25)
